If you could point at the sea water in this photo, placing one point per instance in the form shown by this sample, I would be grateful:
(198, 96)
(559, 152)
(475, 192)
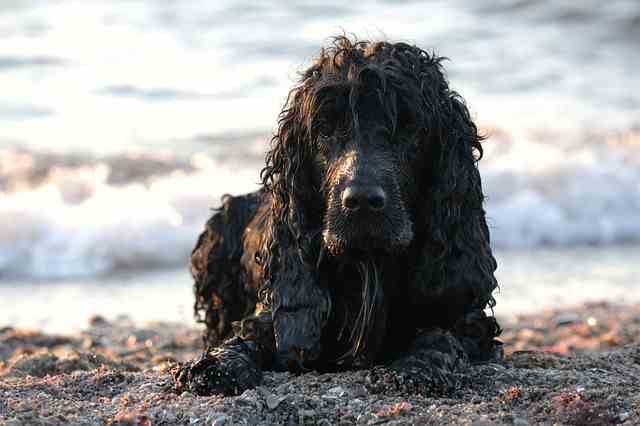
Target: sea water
(122, 124)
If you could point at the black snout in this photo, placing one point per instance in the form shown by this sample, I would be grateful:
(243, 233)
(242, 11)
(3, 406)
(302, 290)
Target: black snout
(363, 197)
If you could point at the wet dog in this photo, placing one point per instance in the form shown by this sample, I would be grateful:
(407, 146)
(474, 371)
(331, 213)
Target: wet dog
(367, 243)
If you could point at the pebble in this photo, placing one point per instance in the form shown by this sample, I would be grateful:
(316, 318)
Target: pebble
(97, 321)
(248, 397)
(483, 421)
(347, 419)
(169, 417)
(623, 416)
(272, 400)
(565, 319)
(365, 418)
(335, 392)
(360, 392)
(534, 359)
(306, 413)
(218, 419)
(152, 386)
(355, 402)
(89, 343)
(520, 421)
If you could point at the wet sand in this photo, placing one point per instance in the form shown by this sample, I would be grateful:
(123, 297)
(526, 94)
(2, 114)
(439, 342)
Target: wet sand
(571, 366)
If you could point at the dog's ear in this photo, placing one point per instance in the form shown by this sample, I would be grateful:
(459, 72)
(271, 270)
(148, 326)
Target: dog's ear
(300, 306)
(286, 175)
(457, 248)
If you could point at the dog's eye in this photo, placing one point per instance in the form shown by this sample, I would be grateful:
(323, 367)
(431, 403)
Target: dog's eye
(325, 146)
(406, 123)
(406, 129)
(325, 129)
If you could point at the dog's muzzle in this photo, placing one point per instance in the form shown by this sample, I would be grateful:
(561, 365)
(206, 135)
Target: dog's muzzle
(363, 199)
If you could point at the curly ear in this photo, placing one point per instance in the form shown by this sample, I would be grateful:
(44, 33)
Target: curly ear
(457, 251)
(286, 178)
(300, 306)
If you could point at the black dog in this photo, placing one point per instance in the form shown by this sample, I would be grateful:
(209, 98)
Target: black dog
(367, 243)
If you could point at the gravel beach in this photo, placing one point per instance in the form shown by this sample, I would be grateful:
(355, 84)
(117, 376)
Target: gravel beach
(577, 366)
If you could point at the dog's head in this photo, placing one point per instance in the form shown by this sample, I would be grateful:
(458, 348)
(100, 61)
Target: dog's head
(364, 141)
(364, 159)
(374, 155)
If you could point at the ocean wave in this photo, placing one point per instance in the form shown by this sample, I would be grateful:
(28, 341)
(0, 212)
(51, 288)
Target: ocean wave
(78, 224)
(79, 221)
(563, 190)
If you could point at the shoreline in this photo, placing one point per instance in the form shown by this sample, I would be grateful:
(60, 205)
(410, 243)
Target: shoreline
(576, 365)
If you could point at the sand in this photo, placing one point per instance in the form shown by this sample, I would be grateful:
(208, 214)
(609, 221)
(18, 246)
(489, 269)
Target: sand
(577, 366)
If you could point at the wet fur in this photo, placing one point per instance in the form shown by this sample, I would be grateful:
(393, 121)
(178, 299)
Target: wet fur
(279, 270)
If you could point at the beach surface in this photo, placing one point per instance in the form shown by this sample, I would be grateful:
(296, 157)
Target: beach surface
(578, 365)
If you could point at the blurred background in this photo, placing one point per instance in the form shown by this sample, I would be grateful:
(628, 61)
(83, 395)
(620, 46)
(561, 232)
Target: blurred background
(123, 122)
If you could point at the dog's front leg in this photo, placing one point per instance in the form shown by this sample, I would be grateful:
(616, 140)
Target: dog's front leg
(234, 366)
(436, 357)
(301, 307)
(429, 365)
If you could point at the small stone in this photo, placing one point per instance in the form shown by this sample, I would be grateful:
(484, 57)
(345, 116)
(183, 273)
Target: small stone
(150, 386)
(169, 417)
(623, 416)
(365, 418)
(347, 419)
(272, 400)
(306, 413)
(565, 319)
(98, 321)
(534, 359)
(520, 421)
(355, 402)
(335, 393)
(482, 422)
(248, 398)
(218, 419)
(360, 392)
(89, 343)
(315, 401)
(496, 367)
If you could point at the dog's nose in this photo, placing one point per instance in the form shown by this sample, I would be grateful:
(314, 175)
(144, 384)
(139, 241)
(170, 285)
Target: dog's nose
(366, 197)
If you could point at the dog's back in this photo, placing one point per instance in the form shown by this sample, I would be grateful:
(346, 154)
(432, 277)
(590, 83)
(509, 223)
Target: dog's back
(224, 264)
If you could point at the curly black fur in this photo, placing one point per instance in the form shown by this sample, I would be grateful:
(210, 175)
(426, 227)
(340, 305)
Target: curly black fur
(337, 280)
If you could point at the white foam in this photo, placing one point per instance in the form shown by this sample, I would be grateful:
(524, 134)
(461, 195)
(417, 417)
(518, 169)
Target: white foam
(45, 232)
(76, 223)
(559, 193)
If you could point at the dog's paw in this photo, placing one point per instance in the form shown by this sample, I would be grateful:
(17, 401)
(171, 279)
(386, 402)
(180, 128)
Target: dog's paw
(219, 374)
(431, 366)
(427, 380)
(434, 361)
